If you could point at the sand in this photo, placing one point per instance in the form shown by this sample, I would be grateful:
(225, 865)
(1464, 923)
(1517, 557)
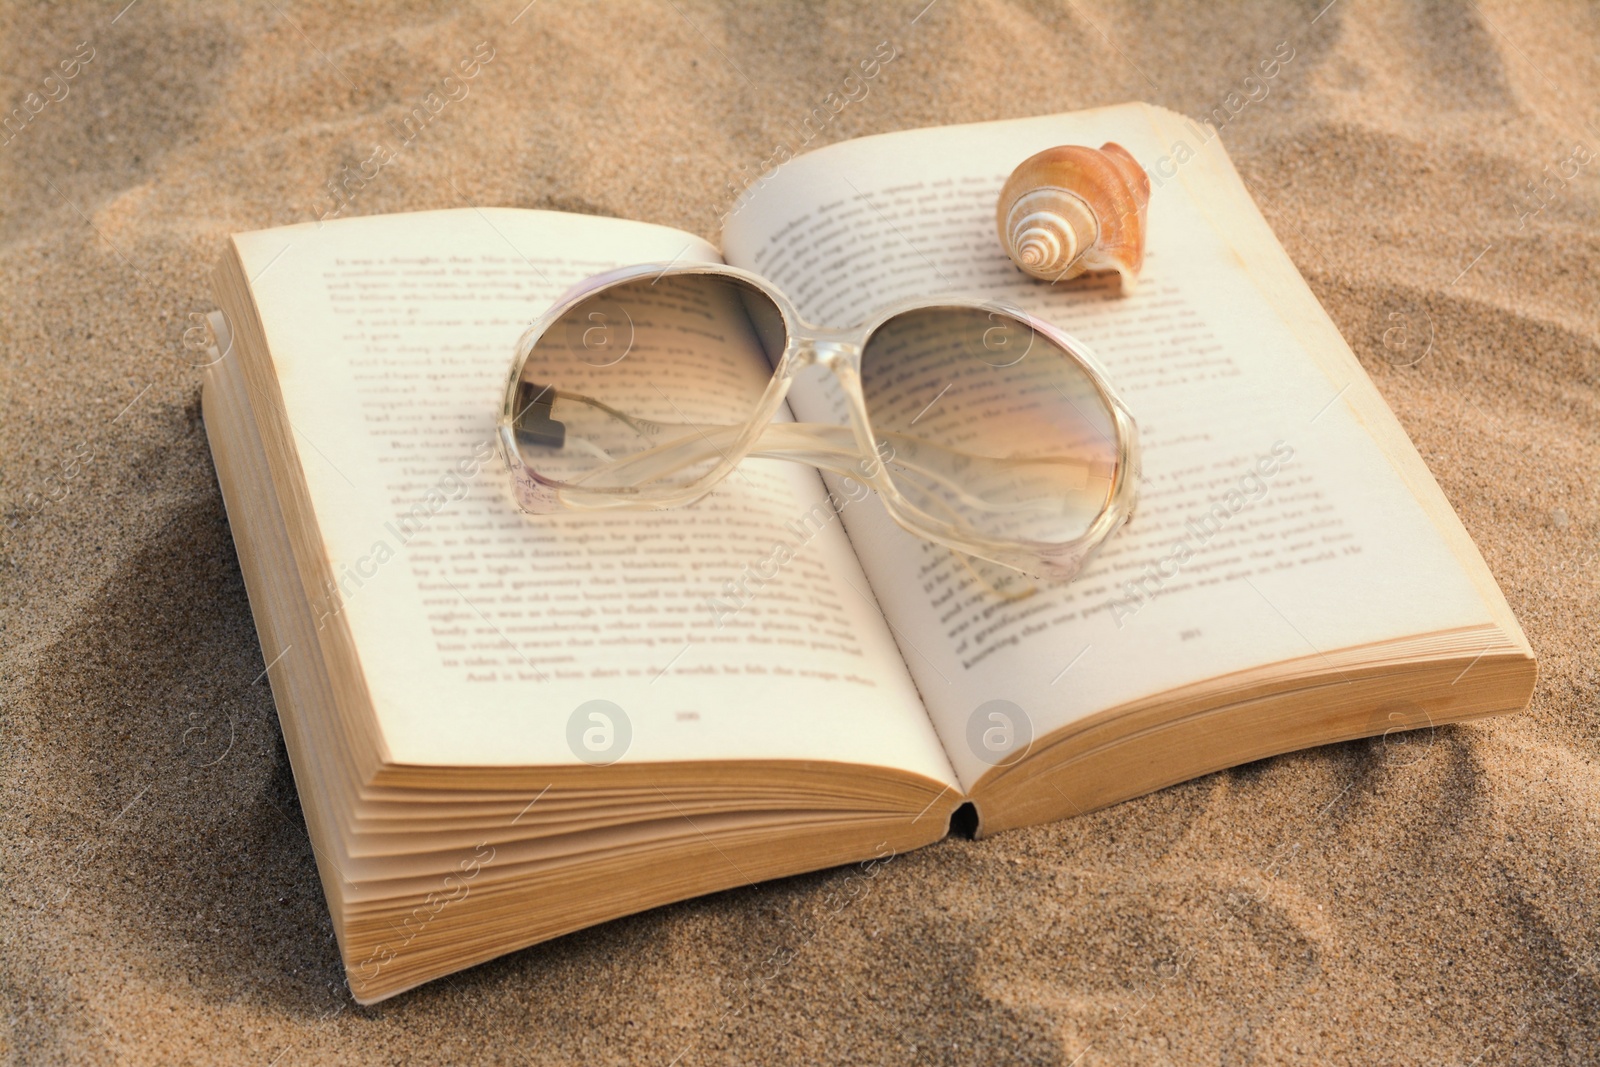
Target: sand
(1434, 903)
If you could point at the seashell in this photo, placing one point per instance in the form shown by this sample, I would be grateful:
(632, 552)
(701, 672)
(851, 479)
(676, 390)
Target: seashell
(1073, 209)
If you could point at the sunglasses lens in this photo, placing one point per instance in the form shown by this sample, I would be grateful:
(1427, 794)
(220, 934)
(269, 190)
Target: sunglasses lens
(648, 383)
(995, 428)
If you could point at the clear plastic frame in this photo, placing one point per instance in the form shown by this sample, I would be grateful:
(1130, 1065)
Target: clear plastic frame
(980, 426)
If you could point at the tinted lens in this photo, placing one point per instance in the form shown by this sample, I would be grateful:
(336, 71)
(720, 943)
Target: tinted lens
(647, 383)
(994, 427)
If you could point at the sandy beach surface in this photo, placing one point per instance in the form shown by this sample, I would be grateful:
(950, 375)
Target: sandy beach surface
(1423, 164)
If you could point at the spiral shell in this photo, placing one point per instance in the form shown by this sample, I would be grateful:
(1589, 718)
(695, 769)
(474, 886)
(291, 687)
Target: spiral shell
(1074, 209)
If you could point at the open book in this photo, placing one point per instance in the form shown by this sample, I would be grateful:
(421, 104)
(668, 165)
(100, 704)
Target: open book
(505, 728)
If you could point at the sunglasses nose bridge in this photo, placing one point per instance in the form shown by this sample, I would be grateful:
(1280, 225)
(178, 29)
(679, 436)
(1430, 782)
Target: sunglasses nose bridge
(833, 353)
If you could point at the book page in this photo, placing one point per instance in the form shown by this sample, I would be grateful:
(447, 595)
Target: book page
(480, 630)
(1270, 525)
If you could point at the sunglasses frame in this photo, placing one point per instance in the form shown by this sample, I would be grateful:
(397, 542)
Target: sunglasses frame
(841, 352)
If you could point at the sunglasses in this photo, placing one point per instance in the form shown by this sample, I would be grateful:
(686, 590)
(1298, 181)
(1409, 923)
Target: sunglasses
(979, 426)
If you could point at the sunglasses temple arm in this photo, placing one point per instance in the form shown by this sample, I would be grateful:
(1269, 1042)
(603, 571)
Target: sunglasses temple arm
(831, 448)
(834, 449)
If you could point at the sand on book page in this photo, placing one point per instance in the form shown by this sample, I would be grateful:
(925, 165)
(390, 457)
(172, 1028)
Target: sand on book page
(1270, 526)
(481, 630)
